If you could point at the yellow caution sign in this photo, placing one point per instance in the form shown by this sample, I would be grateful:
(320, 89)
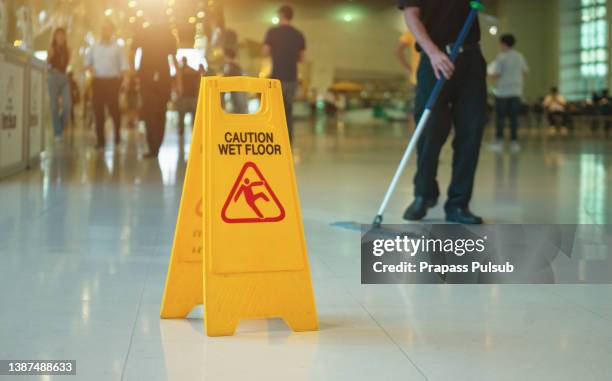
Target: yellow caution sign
(240, 191)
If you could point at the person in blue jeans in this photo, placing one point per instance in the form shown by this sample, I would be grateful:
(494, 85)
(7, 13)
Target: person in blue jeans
(58, 57)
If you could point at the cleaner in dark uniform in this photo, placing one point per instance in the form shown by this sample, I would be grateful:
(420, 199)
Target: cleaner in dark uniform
(462, 104)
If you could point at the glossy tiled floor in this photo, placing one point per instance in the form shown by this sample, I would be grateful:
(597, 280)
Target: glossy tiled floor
(85, 241)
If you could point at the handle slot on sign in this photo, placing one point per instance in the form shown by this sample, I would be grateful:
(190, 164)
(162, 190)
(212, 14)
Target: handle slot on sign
(260, 86)
(241, 102)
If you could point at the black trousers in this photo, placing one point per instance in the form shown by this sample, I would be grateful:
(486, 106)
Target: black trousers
(560, 119)
(155, 96)
(462, 104)
(106, 95)
(289, 89)
(507, 107)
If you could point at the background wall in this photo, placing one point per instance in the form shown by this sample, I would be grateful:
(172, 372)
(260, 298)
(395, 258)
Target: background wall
(535, 23)
(364, 46)
(367, 42)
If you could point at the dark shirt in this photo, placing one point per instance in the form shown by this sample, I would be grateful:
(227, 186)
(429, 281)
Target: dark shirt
(59, 60)
(444, 19)
(191, 82)
(286, 44)
(156, 43)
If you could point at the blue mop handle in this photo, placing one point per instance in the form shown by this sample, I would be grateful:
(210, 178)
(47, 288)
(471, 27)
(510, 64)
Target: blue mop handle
(476, 6)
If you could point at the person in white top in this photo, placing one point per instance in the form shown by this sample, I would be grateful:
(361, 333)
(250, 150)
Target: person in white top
(508, 70)
(107, 63)
(555, 106)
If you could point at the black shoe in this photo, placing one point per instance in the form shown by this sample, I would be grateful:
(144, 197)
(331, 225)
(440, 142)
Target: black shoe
(418, 209)
(462, 216)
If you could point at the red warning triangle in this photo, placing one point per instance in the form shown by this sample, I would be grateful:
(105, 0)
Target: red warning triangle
(251, 199)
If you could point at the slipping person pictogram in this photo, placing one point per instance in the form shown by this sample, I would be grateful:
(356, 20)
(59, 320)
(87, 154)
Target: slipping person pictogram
(252, 199)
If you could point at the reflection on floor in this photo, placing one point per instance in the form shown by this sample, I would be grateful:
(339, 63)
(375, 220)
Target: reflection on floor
(85, 243)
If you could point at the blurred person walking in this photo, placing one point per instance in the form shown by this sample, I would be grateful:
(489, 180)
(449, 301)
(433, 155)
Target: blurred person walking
(188, 102)
(157, 44)
(508, 70)
(75, 95)
(408, 55)
(88, 113)
(107, 64)
(231, 68)
(286, 46)
(462, 104)
(58, 57)
(409, 58)
(132, 96)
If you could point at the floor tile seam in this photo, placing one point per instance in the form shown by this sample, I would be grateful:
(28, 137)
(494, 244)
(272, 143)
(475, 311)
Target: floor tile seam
(394, 342)
(135, 323)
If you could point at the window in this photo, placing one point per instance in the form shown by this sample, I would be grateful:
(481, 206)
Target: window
(593, 39)
(584, 48)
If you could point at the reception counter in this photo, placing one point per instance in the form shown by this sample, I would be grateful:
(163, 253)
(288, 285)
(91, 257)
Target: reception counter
(22, 110)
